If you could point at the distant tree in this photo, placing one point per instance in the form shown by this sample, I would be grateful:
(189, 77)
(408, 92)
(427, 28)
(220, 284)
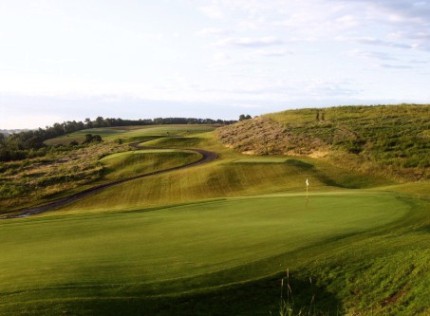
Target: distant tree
(88, 123)
(97, 139)
(244, 117)
(90, 138)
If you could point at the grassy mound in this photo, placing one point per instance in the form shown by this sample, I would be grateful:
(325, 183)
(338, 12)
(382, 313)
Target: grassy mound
(392, 138)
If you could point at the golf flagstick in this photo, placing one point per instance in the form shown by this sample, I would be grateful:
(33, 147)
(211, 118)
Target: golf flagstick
(307, 191)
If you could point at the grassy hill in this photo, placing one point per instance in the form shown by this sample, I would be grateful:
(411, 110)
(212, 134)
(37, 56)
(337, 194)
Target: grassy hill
(391, 140)
(220, 238)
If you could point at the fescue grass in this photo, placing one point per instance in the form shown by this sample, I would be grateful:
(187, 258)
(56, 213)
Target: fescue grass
(390, 140)
(37, 180)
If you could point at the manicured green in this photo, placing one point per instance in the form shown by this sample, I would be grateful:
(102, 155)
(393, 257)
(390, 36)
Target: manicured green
(56, 263)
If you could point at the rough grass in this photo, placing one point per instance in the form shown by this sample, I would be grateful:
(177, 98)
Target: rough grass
(72, 262)
(36, 180)
(389, 140)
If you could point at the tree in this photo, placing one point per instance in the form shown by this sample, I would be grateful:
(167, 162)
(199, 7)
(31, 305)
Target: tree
(2, 139)
(243, 117)
(88, 123)
(90, 138)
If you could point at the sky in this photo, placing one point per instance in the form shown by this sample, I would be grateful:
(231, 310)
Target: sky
(68, 60)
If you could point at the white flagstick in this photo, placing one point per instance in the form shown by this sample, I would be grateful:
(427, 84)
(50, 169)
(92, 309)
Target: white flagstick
(307, 189)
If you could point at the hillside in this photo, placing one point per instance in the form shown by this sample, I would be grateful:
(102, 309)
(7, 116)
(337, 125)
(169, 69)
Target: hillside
(393, 140)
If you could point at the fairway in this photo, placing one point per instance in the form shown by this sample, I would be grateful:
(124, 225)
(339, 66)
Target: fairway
(128, 164)
(133, 254)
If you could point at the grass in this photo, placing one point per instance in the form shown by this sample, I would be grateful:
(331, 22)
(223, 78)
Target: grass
(216, 239)
(65, 170)
(80, 135)
(390, 140)
(132, 133)
(231, 176)
(128, 164)
(168, 251)
(36, 180)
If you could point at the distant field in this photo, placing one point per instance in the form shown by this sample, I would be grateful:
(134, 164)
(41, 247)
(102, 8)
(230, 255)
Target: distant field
(131, 133)
(80, 136)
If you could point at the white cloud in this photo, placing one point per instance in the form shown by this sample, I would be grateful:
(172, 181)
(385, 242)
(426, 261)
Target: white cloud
(217, 51)
(212, 31)
(212, 11)
(250, 42)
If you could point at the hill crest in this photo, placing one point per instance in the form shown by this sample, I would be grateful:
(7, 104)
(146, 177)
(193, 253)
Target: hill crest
(394, 140)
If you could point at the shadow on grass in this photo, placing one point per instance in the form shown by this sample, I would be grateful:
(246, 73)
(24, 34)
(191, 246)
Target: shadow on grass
(260, 297)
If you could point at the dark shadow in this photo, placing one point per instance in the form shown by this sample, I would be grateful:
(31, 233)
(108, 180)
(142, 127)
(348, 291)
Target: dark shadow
(424, 229)
(299, 164)
(260, 297)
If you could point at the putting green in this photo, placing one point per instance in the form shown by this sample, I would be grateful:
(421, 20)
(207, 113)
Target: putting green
(131, 254)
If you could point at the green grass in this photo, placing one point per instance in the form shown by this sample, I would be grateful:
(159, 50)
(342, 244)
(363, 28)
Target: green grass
(133, 133)
(76, 260)
(80, 135)
(231, 176)
(392, 136)
(389, 140)
(132, 163)
(216, 239)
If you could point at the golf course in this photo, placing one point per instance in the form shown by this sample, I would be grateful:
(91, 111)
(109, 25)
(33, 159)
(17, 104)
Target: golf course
(203, 219)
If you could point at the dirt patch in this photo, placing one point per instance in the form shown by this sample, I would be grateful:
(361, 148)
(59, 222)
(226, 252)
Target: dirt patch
(392, 299)
(319, 154)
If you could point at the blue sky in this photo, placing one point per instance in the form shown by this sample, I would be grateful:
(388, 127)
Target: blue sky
(64, 60)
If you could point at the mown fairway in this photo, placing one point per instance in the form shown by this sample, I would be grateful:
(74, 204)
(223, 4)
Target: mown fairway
(51, 263)
(128, 164)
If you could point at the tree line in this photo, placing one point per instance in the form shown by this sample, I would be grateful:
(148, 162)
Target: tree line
(27, 143)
